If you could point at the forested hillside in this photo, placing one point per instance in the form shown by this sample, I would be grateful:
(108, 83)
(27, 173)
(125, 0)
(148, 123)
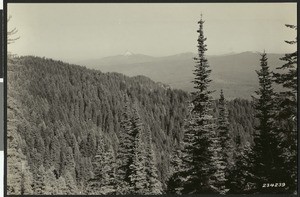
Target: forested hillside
(60, 114)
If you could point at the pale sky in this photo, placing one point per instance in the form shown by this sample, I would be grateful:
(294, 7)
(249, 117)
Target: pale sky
(73, 32)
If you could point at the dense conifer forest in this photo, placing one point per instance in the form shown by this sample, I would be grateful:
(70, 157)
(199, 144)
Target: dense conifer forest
(68, 110)
(73, 130)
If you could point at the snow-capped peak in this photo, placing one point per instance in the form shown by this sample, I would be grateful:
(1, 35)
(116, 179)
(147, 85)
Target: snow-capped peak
(128, 53)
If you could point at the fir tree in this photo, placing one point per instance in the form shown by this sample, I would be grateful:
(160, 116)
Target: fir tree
(124, 154)
(286, 113)
(50, 182)
(61, 184)
(174, 182)
(240, 174)
(226, 143)
(26, 179)
(266, 152)
(67, 161)
(39, 181)
(138, 177)
(71, 186)
(218, 179)
(103, 181)
(198, 138)
(19, 174)
(154, 185)
(224, 133)
(108, 173)
(182, 156)
(94, 184)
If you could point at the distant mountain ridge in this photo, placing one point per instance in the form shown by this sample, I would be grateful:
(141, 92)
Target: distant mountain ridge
(126, 58)
(233, 72)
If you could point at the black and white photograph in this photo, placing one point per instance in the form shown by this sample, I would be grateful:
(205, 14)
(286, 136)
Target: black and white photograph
(151, 98)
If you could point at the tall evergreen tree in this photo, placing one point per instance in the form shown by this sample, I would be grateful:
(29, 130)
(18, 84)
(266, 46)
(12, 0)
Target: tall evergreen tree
(266, 152)
(218, 179)
(223, 149)
(154, 185)
(103, 181)
(71, 186)
(20, 177)
(224, 133)
(26, 180)
(108, 173)
(94, 184)
(286, 113)
(240, 173)
(124, 153)
(179, 155)
(226, 142)
(138, 169)
(198, 138)
(61, 184)
(131, 157)
(174, 182)
(67, 161)
(50, 182)
(39, 181)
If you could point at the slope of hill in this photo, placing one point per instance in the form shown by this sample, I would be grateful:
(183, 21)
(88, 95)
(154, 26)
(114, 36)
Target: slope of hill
(235, 73)
(59, 113)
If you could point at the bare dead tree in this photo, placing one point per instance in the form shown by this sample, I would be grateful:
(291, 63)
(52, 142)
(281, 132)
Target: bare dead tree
(11, 34)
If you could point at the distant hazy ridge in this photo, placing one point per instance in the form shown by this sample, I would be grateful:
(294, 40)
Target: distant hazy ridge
(234, 73)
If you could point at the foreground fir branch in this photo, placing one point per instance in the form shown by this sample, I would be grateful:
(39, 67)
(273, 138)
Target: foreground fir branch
(265, 157)
(286, 113)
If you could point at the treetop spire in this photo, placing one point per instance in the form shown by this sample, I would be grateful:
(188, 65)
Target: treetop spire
(201, 19)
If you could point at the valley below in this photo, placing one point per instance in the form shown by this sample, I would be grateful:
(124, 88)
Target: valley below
(234, 73)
